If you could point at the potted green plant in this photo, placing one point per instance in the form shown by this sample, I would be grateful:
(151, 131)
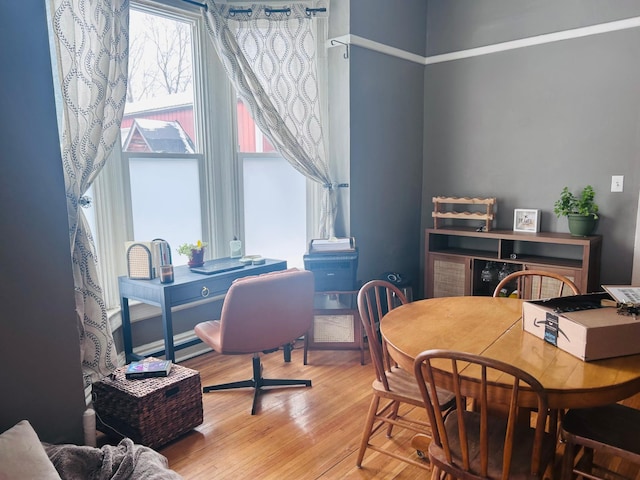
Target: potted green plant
(581, 211)
(194, 251)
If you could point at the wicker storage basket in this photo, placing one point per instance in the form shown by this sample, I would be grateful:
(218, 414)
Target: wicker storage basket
(150, 411)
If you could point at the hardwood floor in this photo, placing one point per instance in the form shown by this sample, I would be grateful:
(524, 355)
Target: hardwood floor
(298, 432)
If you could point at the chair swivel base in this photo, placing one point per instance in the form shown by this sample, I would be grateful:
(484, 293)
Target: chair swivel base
(257, 382)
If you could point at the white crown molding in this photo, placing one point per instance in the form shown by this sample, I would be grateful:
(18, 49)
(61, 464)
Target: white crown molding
(375, 46)
(349, 39)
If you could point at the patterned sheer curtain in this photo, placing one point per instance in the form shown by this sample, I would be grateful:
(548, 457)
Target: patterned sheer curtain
(91, 39)
(270, 56)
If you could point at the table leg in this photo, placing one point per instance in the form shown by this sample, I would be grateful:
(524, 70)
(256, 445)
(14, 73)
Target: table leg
(287, 351)
(306, 347)
(127, 338)
(167, 327)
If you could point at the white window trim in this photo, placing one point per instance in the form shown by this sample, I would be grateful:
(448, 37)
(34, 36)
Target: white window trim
(215, 139)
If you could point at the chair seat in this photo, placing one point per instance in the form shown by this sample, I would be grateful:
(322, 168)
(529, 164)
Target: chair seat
(403, 387)
(522, 446)
(614, 426)
(209, 332)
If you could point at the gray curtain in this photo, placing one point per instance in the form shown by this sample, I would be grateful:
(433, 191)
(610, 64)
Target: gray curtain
(91, 39)
(270, 57)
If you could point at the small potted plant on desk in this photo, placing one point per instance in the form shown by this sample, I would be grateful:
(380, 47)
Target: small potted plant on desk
(581, 211)
(195, 253)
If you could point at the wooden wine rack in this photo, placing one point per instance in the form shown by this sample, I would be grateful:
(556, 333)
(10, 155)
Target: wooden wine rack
(487, 216)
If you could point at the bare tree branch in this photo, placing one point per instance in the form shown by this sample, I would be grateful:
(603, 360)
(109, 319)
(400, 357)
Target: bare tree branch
(159, 57)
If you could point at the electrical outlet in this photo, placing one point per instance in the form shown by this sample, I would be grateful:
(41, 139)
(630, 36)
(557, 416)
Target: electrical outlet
(617, 182)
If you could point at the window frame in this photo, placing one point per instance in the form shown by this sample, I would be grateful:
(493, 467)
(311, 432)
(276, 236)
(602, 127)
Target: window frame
(221, 176)
(215, 143)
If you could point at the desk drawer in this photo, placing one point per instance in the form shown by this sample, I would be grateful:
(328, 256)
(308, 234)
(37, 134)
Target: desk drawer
(199, 290)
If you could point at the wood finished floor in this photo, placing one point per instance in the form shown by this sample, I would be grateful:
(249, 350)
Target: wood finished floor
(298, 432)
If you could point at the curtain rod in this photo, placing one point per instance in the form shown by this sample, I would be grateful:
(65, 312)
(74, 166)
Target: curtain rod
(198, 4)
(268, 11)
(202, 5)
(308, 11)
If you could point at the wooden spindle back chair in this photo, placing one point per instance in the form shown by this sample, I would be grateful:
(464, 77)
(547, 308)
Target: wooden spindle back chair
(537, 284)
(484, 442)
(392, 384)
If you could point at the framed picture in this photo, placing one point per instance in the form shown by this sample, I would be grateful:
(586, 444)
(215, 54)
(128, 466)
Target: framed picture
(526, 220)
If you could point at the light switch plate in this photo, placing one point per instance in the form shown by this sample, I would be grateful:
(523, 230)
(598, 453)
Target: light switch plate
(617, 182)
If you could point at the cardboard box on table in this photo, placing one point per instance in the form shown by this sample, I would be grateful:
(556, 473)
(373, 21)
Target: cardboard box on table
(580, 326)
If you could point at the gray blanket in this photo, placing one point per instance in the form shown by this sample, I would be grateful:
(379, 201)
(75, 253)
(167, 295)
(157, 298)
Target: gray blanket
(125, 461)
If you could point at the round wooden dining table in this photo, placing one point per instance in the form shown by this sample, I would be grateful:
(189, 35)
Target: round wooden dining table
(492, 327)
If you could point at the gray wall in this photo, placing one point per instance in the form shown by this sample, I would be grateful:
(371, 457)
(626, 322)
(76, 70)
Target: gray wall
(522, 124)
(397, 24)
(386, 130)
(463, 24)
(518, 125)
(40, 378)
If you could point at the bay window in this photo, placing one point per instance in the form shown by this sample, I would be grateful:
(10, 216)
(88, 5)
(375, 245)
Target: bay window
(192, 165)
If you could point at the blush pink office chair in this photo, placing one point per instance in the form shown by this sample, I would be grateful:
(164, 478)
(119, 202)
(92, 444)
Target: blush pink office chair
(260, 314)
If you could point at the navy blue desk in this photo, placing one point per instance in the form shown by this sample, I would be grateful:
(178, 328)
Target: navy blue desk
(187, 287)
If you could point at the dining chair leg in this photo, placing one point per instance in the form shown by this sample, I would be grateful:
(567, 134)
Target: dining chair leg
(393, 415)
(553, 419)
(436, 474)
(568, 460)
(368, 429)
(586, 461)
